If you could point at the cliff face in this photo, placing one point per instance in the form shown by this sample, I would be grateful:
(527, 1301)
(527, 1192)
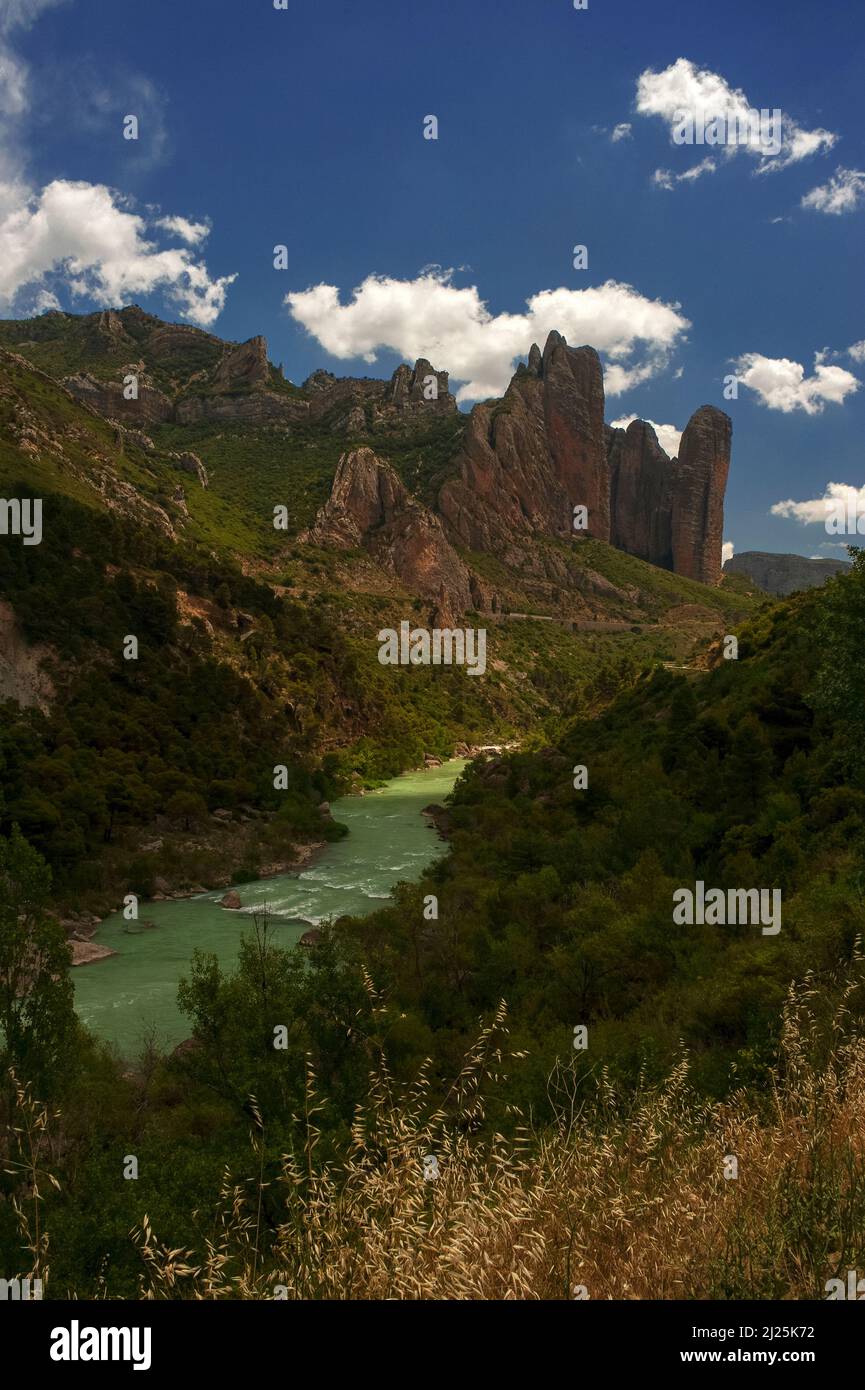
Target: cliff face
(698, 495)
(642, 485)
(370, 507)
(573, 394)
(529, 459)
(784, 574)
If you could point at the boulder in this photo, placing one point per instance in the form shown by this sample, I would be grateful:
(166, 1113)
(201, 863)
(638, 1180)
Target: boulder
(87, 952)
(231, 900)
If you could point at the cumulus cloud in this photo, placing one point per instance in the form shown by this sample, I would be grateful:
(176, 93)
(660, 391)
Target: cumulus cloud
(782, 384)
(683, 88)
(727, 550)
(82, 236)
(85, 238)
(432, 317)
(669, 437)
(838, 496)
(621, 132)
(665, 178)
(843, 193)
(857, 351)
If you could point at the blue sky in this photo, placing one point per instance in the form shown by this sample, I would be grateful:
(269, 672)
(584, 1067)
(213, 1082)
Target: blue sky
(304, 127)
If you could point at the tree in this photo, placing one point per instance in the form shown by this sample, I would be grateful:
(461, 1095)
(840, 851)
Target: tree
(37, 1016)
(188, 807)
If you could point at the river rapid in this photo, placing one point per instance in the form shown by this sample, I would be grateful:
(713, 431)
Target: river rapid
(123, 997)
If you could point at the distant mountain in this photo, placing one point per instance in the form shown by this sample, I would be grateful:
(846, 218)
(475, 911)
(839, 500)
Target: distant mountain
(783, 574)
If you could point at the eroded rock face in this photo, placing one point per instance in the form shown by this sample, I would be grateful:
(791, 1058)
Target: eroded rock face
(698, 496)
(642, 483)
(530, 458)
(364, 405)
(421, 389)
(366, 494)
(151, 407)
(573, 381)
(369, 506)
(254, 408)
(243, 366)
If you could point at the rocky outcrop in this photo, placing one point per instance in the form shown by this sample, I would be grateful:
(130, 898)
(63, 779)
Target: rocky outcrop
(532, 457)
(355, 406)
(22, 678)
(243, 367)
(698, 495)
(421, 389)
(366, 494)
(253, 408)
(573, 382)
(151, 407)
(190, 463)
(642, 483)
(784, 574)
(370, 507)
(87, 952)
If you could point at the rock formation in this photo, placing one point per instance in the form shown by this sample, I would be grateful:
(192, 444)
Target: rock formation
(642, 482)
(152, 407)
(530, 458)
(524, 464)
(369, 506)
(517, 468)
(698, 495)
(243, 367)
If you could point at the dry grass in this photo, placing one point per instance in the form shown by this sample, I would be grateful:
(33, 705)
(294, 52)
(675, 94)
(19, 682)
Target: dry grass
(625, 1197)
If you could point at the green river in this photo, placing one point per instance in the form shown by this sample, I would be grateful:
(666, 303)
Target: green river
(122, 997)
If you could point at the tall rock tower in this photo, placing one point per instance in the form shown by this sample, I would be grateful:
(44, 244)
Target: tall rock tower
(698, 495)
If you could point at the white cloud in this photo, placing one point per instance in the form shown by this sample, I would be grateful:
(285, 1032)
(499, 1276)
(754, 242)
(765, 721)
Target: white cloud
(452, 327)
(665, 178)
(81, 235)
(190, 232)
(843, 193)
(669, 437)
(683, 87)
(621, 132)
(857, 351)
(818, 508)
(727, 550)
(782, 384)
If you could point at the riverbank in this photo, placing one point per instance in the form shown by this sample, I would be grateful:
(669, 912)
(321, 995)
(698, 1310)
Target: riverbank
(386, 839)
(164, 862)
